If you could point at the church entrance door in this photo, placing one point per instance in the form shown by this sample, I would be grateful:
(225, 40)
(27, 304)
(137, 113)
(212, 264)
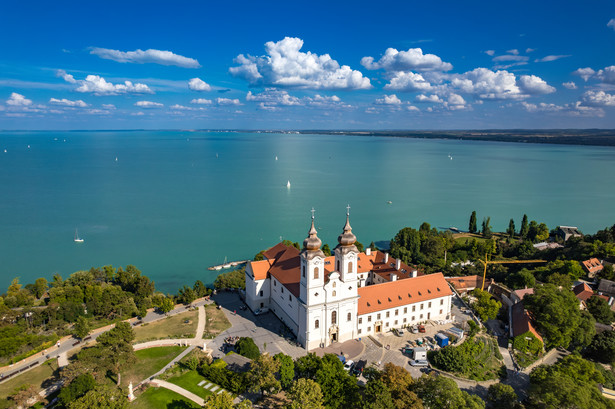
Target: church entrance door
(378, 327)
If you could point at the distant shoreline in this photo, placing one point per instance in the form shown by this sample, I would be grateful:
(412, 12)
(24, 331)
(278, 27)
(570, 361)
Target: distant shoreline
(588, 137)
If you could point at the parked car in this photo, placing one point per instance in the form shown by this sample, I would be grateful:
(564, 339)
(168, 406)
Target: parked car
(400, 332)
(421, 328)
(414, 330)
(358, 367)
(420, 362)
(261, 311)
(348, 365)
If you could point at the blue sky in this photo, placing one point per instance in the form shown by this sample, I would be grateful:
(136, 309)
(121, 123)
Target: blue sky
(307, 65)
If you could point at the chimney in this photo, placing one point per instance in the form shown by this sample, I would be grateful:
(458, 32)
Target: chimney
(398, 265)
(386, 258)
(393, 277)
(414, 273)
(368, 251)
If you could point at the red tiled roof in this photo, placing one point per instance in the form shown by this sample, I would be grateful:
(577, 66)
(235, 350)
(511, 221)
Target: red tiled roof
(402, 292)
(465, 283)
(593, 265)
(523, 292)
(582, 291)
(521, 321)
(261, 268)
(287, 270)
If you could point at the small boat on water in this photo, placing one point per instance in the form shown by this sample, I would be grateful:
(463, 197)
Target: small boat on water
(288, 184)
(276, 158)
(389, 202)
(77, 239)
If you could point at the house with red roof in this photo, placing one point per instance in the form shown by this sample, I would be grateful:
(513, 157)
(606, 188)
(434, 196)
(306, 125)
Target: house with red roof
(345, 296)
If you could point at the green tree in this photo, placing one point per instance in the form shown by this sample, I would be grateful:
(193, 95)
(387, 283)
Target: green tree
(245, 346)
(502, 396)
(556, 314)
(40, 287)
(166, 305)
(524, 227)
(359, 246)
(511, 229)
(222, 400)
(439, 392)
(339, 389)
(305, 394)
(377, 396)
(306, 366)
(262, 374)
(82, 328)
(373, 246)
(486, 307)
(400, 382)
(200, 289)
(521, 279)
(602, 347)
(486, 231)
(407, 245)
(286, 371)
(607, 272)
(101, 397)
(570, 383)
(600, 309)
(117, 346)
(186, 295)
(233, 279)
(326, 250)
(472, 227)
(76, 389)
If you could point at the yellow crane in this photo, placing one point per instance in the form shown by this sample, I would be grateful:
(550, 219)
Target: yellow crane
(486, 262)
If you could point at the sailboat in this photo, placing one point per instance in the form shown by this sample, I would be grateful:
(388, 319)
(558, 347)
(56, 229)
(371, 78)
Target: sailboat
(77, 239)
(225, 264)
(288, 184)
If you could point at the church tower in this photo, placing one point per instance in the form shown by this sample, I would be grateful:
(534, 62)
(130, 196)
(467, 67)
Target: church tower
(346, 253)
(312, 268)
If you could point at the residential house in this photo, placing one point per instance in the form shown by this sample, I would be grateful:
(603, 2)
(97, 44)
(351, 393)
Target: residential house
(593, 266)
(566, 232)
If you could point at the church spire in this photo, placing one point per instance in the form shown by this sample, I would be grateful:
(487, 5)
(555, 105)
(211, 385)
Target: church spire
(312, 242)
(347, 238)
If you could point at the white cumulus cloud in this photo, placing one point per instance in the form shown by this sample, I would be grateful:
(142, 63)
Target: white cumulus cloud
(534, 85)
(510, 57)
(286, 66)
(18, 100)
(570, 85)
(197, 84)
(513, 51)
(97, 85)
(611, 23)
(490, 53)
(272, 97)
(598, 99)
(607, 75)
(68, 103)
(408, 81)
(146, 56)
(227, 101)
(551, 58)
(428, 98)
(585, 73)
(201, 101)
(411, 60)
(388, 100)
(148, 104)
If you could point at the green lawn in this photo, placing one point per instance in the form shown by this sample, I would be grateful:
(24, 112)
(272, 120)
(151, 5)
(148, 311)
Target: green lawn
(178, 326)
(38, 376)
(161, 398)
(189, 381)
(149, 361)
(215, 322)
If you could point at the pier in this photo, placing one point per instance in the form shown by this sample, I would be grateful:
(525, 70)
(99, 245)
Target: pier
(228, 265)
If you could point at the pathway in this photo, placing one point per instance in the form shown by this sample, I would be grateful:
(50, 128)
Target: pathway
(178, 389)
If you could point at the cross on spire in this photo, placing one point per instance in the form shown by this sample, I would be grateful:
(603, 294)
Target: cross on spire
(348, 210)
(312, 213)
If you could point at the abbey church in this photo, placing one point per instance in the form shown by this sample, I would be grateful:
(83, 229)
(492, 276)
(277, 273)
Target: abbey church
(348, 295)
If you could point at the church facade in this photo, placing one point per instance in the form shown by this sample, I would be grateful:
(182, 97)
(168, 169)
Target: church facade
(345, 296)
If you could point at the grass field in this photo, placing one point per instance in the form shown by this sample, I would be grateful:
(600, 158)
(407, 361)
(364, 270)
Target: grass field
(215, 323)
(149, 361)
(189, 381)
(160, 398)
(171, 327)
(39, 376)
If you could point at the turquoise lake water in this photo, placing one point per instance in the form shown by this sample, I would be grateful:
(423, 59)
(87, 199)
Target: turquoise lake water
(171, 207)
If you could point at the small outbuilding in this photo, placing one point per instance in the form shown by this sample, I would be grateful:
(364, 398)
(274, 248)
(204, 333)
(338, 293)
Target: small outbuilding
(441, 340)
(420, 353)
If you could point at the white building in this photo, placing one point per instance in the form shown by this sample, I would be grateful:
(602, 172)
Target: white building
(345, 296)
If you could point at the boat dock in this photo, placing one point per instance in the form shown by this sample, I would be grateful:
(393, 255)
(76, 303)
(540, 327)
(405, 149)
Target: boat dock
(228, 265)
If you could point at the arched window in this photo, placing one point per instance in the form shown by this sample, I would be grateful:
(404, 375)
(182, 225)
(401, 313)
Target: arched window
(333, 293)
(334, 283)
(350, 266)
(334, 317)
(349, 317)
(315, 273)
(338, 265)
(316, 324)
